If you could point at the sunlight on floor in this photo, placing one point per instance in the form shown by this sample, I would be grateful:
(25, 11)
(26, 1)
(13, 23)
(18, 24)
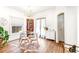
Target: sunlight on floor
(42, 44)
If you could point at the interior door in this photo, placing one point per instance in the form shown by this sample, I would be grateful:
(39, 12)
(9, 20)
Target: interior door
(38, 26)
(61, 27)
(42, 28)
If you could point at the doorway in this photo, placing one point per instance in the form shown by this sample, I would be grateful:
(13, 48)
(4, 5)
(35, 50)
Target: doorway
(61, 27)
(40, 25)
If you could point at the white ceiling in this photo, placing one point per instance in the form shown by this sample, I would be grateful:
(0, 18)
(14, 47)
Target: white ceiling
(30, 10)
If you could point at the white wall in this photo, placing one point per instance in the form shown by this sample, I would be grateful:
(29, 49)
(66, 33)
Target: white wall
(59, 10)
(3, 16)
(78, 25)
(12, 17)
(50, 21)
(16, 19)
(71, 25)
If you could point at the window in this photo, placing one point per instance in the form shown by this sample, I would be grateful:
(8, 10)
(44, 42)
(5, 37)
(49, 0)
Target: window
(40, 25)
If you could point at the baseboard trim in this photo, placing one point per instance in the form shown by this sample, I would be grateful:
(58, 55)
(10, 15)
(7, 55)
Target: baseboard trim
(54, 40)
(71, 45)
(50, 39)
(61, 41)
(13, 40)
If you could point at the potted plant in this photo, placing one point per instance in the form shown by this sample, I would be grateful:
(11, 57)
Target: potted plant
(4, 36)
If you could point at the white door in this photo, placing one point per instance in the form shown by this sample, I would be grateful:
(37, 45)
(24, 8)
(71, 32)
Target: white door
(61, 27)
(43, 24)
(38, 30)
(40, 25)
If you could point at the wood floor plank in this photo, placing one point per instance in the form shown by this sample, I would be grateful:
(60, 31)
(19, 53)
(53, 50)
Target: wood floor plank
(46, 46)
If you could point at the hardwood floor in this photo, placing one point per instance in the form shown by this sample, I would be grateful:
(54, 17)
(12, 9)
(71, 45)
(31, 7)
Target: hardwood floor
(46, 46)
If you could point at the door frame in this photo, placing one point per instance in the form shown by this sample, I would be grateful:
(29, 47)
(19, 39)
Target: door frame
(40, 23)
(63, 25)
